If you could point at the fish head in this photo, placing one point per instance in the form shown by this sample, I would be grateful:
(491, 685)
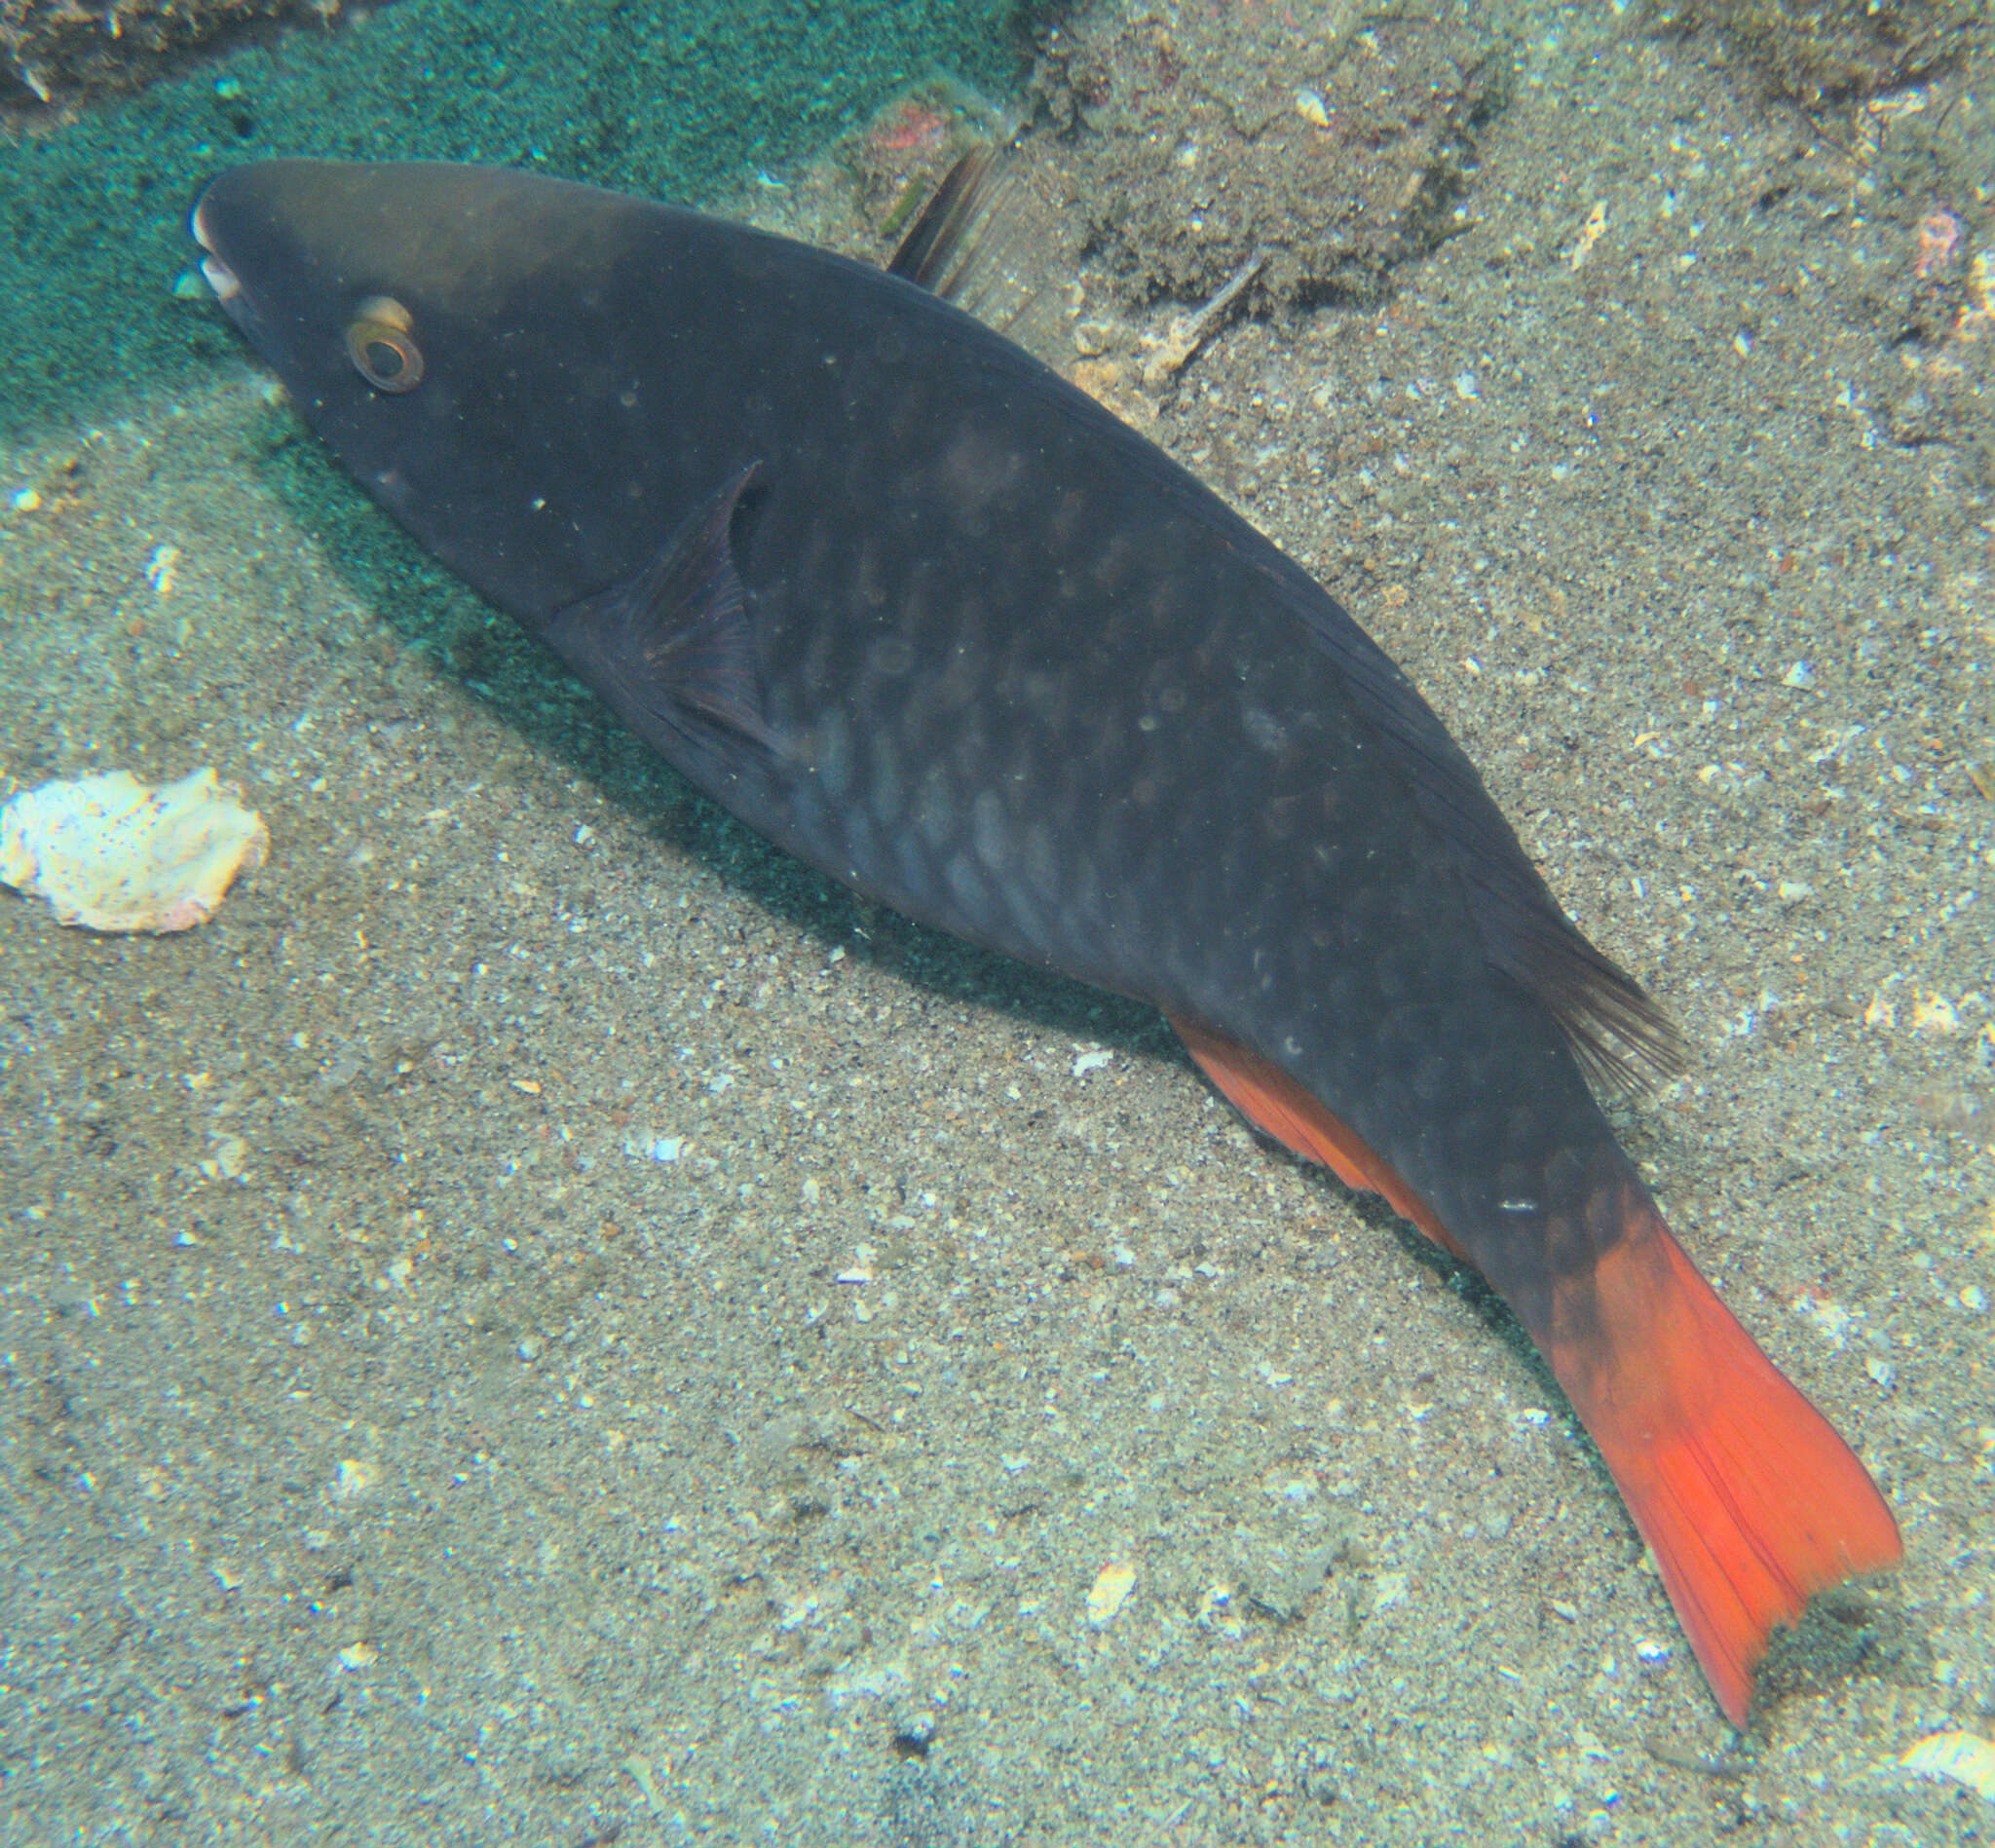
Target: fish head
(471, 343)
(372, 292)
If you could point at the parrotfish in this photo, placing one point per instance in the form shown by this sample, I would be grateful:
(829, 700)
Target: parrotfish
(904, 601)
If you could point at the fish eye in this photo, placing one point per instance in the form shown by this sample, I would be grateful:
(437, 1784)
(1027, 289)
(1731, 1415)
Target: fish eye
(381, 342)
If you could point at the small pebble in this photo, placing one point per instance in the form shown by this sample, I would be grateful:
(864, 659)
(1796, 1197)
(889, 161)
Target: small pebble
(1110, 1592)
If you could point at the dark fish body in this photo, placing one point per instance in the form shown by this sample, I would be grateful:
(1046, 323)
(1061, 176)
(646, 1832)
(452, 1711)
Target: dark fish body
(936, 623)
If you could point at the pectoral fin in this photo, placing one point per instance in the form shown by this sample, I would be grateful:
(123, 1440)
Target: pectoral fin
(673, 648)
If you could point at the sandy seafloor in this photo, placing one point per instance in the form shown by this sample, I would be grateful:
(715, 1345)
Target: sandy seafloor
(440, 1401)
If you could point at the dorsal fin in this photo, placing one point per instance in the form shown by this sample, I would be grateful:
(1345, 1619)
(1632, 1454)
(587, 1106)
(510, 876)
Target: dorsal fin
(940, 247)
(988, 243)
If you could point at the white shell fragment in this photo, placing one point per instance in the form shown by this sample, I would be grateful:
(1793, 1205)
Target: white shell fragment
(1963, 1756)
(109, 853)
(1110, 1590)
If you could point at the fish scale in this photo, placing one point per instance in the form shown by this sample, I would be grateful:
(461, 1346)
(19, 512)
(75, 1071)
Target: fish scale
(935, 621)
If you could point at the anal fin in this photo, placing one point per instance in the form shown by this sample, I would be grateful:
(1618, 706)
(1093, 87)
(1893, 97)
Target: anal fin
(1276, 1105)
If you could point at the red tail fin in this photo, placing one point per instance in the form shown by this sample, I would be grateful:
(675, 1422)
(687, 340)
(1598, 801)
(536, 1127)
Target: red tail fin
(1749, 1501)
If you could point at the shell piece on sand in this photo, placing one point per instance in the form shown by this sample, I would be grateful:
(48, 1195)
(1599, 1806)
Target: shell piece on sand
(1964, 1757)
(1110, 1592)
(109, 853)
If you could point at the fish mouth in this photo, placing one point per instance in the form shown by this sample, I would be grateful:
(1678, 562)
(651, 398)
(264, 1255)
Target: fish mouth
(225, 283)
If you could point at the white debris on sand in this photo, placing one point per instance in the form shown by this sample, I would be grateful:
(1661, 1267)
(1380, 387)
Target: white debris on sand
(109, 853)
(1964, 1757)
(1109, 1591)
